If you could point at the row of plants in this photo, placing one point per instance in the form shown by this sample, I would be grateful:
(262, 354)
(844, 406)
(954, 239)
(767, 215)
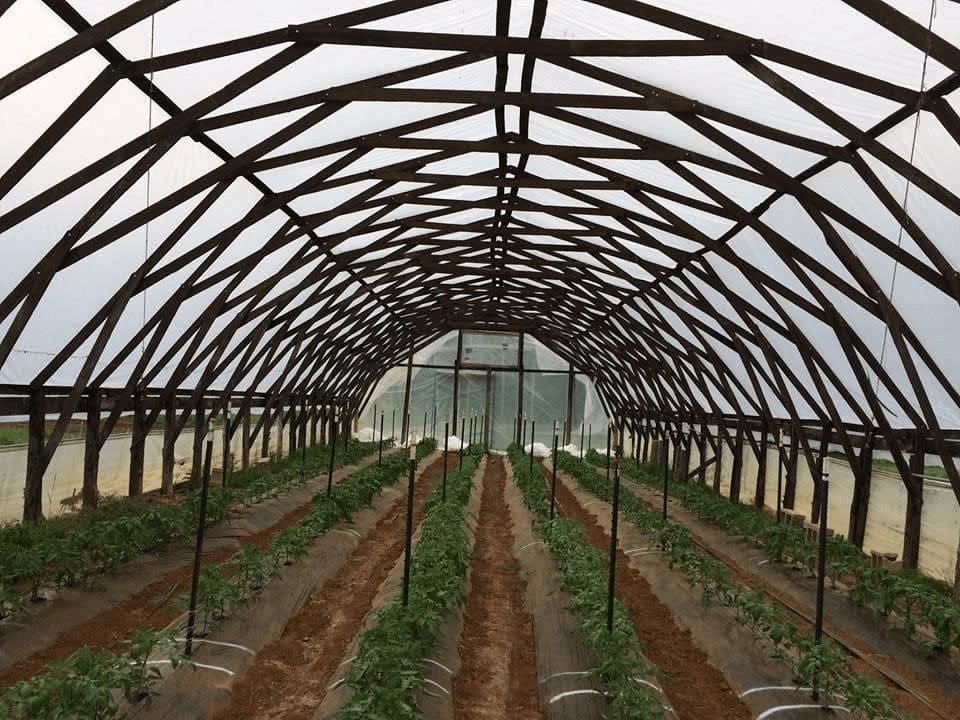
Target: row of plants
(94, 684)
(585, 573)
(225, 588)
(72, 550)
(824, 666)
(908, 598)
(386, 675)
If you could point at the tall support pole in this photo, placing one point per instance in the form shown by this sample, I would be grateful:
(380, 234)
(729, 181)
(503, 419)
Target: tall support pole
(33, 490)
(245, 438)
(424, 424)
(759, 496)
(265, 424)
(571, 386)
(91, 450)
(433, 425)
(315, 417)
(281, 418)
(821, 462)
(405, 429)
(138, 442)
(666, 462)
(393, 425)
(304, 421)
(333, 449)
(646, 438)
(520, 393)
(456, 380)
(167, 454)
(736, 473)
(914, 485)
(614, 517)
(294, 423)
(198, 550)
(408, 535)
(719, 461)
(581, 440)
(199, 435)
(824, 493)
(790, 482)
(463, 422)
(227, 431)
(860, 503)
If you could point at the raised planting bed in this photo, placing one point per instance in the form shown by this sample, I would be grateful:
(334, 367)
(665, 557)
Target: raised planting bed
(824, 667)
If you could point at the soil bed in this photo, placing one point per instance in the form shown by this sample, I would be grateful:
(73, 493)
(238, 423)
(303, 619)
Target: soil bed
(695, 688)
(290, 676)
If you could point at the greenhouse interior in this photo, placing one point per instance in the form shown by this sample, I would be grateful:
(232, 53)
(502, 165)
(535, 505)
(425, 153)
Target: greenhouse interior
(537, 359)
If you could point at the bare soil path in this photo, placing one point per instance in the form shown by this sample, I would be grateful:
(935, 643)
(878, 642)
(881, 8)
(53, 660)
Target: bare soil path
(498, 675)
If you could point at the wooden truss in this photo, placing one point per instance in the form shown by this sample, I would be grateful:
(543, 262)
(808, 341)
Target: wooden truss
(437, 226)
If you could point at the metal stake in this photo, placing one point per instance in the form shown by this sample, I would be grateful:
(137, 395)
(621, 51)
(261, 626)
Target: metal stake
(780, 476)
(380, 450)
(533, 427)
(821, 563)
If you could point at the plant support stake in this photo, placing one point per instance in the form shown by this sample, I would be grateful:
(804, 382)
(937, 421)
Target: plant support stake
(821, 563)
(463, 426)
(409, 531)
(195, 582)
(612, 583)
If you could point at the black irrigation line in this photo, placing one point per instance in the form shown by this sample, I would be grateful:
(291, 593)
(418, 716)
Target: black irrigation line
(787, 605)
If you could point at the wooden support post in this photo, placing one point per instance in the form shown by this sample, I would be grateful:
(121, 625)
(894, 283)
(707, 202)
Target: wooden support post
(281, 418)
(736, 472)
(520, 418)
(137, 447)
(759, 497)
(304, 421)
(818, 476)
(265, 422)
(719, 455)
(33, 490)
(227, 433)
(790, 487)
(860, 503)
(571, 387)
(167, 455)
(914, 514)
(91, 450)
(405, 421)
(456, 378)
(245, 439)
(294, 424)
(199, 434)
(646, 438)
(702, 445)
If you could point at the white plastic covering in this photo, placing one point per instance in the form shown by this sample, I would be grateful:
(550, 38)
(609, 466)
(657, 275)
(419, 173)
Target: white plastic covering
(811, 204)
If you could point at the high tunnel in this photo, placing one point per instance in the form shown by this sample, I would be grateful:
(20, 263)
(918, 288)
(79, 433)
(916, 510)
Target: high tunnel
(733, 222)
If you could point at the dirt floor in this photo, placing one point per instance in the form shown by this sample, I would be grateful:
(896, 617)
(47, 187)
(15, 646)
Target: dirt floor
(498, 673)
